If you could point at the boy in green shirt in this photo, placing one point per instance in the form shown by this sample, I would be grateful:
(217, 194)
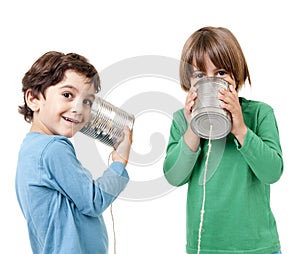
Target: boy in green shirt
(238, 218)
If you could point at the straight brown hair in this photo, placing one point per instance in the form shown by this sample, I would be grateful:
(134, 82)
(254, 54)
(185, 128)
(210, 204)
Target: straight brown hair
(223, 49)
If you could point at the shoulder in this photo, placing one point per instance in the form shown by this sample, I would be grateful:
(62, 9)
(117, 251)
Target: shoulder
(258, 114)
(179, 120)
(38, 143)
(58, 145)
(41, 151)
(58, 150)
(178, 116)
(258, 108)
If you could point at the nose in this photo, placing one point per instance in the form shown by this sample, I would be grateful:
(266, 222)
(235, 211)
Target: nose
(77, 107)
(210, 75)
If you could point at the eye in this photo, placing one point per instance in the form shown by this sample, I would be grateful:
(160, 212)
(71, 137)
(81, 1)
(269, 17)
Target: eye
(87, 102)
(198, 75)
(67, 95)
(222, 73)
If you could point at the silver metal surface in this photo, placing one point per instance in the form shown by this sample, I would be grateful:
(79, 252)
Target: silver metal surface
(207, 111)
(107, 122)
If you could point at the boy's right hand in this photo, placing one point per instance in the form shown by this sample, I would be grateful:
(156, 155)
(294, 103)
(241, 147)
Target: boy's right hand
(189, 103)
(121, 153)
(190, 138)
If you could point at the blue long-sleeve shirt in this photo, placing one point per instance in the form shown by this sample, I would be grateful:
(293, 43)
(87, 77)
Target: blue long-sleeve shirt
(61, 202)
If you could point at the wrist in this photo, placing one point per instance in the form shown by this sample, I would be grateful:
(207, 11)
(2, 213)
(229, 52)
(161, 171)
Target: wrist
(240, 136)
(118, 167)
(116, 157)
(191, 139)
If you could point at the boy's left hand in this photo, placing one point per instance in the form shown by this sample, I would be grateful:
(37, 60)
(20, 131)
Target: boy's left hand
(230, 101)
(122, 151)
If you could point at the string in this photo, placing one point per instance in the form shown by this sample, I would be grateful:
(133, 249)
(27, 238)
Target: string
(112, 216)
(204, 192)
(114, 231)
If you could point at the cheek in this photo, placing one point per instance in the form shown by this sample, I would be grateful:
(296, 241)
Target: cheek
(192, 82)
(86, 115)
(231, 81)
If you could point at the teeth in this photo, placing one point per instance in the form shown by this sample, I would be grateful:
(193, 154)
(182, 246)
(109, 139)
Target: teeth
(71, 120)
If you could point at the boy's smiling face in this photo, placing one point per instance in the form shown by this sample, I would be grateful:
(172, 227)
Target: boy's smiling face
(65, 109)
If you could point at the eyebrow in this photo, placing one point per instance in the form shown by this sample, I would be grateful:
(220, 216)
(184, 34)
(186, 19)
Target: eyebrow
(195, 69)
(74, 88)
(68, 86)
(92, 96)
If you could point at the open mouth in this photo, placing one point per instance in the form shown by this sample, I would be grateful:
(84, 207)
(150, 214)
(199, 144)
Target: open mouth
(71, 120)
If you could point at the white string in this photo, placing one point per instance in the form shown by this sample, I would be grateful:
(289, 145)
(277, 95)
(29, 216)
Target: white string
(204, 192)
(112, 217)
(114, 231)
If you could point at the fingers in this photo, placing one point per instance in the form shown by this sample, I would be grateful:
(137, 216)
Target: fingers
(127, 138)
(128, 134)
(229, 98)
(122, 151)
(189, 103)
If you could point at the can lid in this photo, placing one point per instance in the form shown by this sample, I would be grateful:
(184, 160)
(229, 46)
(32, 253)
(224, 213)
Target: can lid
(220, 122)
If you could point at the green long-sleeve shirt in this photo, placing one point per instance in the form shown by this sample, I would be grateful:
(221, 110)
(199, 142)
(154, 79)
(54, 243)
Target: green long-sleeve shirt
(238, 217)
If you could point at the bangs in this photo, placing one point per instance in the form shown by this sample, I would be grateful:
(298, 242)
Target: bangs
(223, 50)
(217, 54)
(198, 58)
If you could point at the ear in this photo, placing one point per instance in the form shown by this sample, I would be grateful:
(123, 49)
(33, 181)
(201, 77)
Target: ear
(33, 102)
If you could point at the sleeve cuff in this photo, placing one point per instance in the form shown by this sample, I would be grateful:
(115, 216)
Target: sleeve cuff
(118, 167)
(186, 150)
(247, 139)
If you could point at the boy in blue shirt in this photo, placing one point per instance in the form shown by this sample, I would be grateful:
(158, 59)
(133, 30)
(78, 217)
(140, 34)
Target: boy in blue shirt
(61, 202)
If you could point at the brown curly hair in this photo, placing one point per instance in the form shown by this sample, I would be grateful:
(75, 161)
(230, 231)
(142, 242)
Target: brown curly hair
(49, 70)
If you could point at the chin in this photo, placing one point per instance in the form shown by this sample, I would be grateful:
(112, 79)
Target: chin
(69, 134)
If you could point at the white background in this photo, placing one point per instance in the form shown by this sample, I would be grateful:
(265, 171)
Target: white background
(109, 31)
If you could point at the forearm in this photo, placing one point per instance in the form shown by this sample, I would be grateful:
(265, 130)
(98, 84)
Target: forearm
(111, 184)
(103, 191)
(70, 178)
(263, 157)
(179, 162)
(191, 139)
